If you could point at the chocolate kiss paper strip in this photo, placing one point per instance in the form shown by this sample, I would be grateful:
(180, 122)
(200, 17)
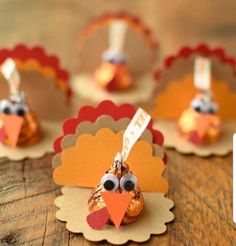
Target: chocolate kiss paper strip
(134, 130)
(11, 74)
(202, 73)
(117, 32)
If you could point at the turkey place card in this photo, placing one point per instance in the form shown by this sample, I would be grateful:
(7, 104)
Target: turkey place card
(110, 161)
(195, 100)
(34, 96)
(115, 77)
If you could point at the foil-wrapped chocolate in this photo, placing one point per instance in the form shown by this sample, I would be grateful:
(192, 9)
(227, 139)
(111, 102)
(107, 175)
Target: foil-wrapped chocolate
(200, 123)
(119, 179)
(15, 112)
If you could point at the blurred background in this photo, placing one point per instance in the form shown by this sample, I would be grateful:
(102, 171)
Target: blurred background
(56, 25)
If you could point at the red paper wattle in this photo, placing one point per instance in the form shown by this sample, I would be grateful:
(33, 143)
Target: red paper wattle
(98, 219)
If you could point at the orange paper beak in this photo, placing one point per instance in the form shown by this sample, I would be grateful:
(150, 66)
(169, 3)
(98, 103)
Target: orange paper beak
(11, 126)
(117, 204)
(203, 124)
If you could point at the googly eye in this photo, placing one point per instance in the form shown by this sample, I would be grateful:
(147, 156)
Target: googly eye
(197, 105)
(21, 109)
(6, 107)
(114, 58)
(128, 182)
(110, 182)
(213, 108)
(110, 59)
(206, 108)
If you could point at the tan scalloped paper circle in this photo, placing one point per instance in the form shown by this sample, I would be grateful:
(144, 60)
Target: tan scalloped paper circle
(104, 121)
(73, 210)
(40, 91)
(45, 145)
(174, 140)
(85, 88)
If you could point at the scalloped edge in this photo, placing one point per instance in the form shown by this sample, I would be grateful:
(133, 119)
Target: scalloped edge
(186, 51)
(90, 113)
(37, 150)
(145, 238)
(133, 20)
(38, 53)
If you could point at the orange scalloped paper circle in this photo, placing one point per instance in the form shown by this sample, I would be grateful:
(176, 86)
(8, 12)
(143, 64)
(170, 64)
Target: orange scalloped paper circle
(178, 94)
(73, 210)
(84, 164)
(34, 65)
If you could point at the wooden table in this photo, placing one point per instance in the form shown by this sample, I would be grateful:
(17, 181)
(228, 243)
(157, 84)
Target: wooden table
(200, 187)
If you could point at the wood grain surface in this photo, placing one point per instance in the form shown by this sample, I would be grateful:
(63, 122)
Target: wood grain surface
(200, 187)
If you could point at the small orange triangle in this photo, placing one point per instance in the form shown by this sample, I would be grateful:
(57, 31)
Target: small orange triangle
(117, 204)
(12, 125)
(203, 123)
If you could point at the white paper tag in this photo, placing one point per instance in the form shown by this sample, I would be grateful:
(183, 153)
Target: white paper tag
(117, 32)
(234, 177)
(134, 130)
(11, 74)
(202, 73)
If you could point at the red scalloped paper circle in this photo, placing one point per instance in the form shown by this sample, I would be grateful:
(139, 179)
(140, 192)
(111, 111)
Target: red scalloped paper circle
(24, 53)
(201, 49)
(133, 20)
(89, 113)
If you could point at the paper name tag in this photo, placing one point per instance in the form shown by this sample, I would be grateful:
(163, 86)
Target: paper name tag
(11, 74)
(234, 177)
(134, 130)
(202, 73)
(117, 34)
